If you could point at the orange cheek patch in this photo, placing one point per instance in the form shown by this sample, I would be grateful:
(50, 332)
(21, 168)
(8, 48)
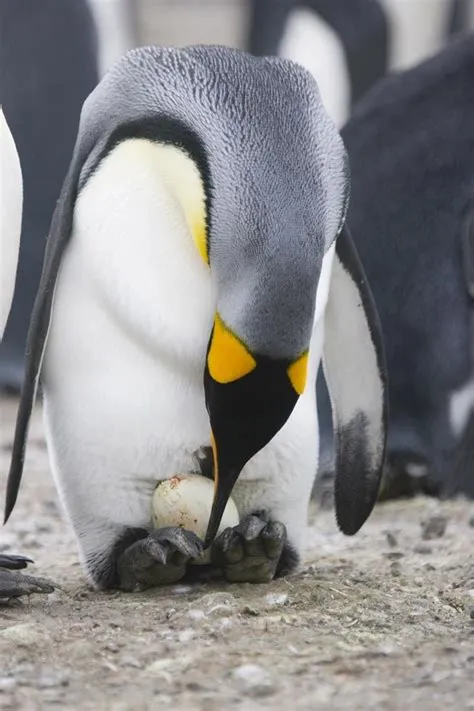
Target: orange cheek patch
(297, 373)
(228, 358)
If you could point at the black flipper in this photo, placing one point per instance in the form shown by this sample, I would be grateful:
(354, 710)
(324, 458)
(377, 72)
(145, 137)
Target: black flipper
(58, 238)
(356, 373)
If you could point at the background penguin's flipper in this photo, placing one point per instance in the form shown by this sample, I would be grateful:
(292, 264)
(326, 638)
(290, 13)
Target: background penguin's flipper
(355, 369)
(39, 325)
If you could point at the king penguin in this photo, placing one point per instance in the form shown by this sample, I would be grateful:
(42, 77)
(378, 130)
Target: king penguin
(197, 269)
(12, 583)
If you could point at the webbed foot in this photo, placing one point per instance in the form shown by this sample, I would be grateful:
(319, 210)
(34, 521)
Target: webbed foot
(255, 551)
(14, 584)
(158, 559)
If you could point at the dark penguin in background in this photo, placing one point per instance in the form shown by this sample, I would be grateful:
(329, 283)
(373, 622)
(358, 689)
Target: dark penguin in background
(48, 65)
(343, 43)
(411, 151)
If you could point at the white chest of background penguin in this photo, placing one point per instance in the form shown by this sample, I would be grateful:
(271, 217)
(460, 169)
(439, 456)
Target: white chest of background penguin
(197, 283)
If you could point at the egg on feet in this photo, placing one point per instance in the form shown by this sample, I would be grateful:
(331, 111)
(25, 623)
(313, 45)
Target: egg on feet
(185, 501)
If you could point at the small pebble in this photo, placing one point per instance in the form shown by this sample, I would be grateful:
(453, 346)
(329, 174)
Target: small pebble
(186, 635)
(433, 527)
(395, 569)
(196, 614)
(253, 680)
(161, 665)
(391, 539)
(50, 681)
(276, 599)
(7, 683)
(471, 613)
(250, 611)
(24, 635)
(471, 521)
(423, 549)
(182, 589)
(127, 661)
(219, 604)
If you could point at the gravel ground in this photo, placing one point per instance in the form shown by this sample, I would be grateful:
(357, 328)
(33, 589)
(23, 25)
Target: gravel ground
(384, 620)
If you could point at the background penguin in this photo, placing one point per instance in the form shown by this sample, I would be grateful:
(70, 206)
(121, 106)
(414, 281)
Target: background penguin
(348, 45)
(48, 65)
(197, 267)
(12, 583)
(411, 151)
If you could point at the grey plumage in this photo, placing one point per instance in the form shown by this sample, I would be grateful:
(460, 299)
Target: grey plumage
(291, 155)
(411, 150)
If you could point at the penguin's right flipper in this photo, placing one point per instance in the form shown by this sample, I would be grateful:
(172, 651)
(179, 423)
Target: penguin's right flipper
(356, 373)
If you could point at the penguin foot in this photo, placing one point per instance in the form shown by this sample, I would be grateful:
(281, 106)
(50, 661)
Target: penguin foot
(14, 584)
(158, 559)
(250, 552)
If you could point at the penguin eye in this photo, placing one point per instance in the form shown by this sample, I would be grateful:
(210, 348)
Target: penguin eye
(228, 359)
(297, 373)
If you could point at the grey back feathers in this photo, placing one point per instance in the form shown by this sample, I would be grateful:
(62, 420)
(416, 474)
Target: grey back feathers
(277, 166)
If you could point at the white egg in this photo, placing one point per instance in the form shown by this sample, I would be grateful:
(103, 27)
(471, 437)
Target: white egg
(185, 500)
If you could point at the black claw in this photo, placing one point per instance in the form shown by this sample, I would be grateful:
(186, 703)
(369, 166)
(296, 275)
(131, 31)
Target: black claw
(14, 562)
(185, 542)
(251, 527)
(274, 538)
(227, 549)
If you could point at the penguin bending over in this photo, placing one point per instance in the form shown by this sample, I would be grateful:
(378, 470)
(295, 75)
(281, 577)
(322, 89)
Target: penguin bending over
(196, 270)
(12, 584)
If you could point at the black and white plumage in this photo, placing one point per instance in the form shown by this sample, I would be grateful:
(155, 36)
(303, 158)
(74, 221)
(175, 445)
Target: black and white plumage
(197, 243)
(411, 149)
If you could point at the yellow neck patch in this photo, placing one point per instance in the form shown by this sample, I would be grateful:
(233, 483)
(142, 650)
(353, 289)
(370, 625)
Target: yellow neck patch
(297, 373)
(184, 180)
(228, 358)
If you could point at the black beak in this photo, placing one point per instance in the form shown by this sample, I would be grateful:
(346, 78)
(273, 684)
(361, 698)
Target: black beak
(245, 415)
(223, 486)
